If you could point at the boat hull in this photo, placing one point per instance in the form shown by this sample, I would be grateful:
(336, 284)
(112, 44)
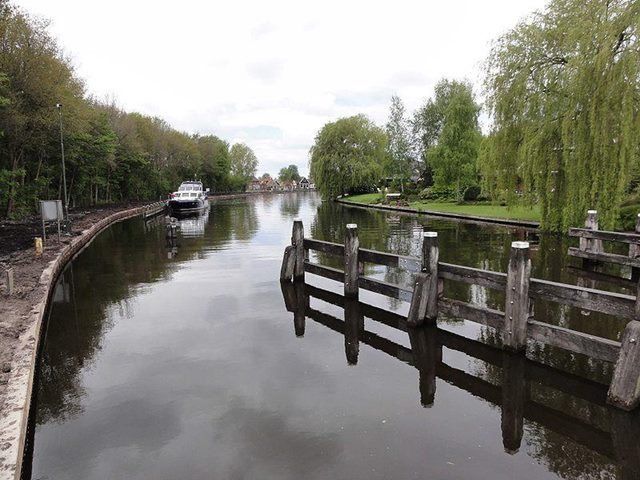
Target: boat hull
(186, 207)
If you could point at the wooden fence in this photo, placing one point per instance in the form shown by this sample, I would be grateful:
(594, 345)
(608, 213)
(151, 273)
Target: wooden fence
(512, 395)
(516, 323)
(591, 249)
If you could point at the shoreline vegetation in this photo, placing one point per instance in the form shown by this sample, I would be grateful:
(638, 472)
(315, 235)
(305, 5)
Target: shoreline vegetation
(470, 210)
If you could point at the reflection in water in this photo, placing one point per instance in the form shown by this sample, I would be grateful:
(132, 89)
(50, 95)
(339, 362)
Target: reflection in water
(527, 390)
(173, 359)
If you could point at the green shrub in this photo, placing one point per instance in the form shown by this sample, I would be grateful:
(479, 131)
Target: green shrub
(438, 193)
(471, 193)
(627, 217)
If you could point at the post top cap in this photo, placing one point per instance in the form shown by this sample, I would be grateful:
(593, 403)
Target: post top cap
(352, 225)
(592, 212)
(297, 219)
(519, 244)
(429, 234)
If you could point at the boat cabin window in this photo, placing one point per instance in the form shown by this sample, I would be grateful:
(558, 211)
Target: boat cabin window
(194, 194)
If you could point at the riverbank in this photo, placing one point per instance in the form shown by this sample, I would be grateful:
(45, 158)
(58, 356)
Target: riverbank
(484, 213)
(22, 315)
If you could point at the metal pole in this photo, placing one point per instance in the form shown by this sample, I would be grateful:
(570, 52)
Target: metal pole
(64, 173)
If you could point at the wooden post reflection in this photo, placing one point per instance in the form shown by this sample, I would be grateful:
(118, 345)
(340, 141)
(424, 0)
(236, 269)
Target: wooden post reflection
(353, 326)
(625, 431)
(427, 353)
(296, 301)
(301, 307)
(514, 392)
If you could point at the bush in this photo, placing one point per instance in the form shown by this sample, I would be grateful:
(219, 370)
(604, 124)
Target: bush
(438, 193)
(627, 218)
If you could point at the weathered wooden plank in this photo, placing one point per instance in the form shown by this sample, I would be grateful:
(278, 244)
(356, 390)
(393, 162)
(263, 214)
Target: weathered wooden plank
(411, 264)
(327, 272)
(351, 266)
(385, 288)
(474, 276)
(325, 247)
(418, 308)
(288, 263)
(621, 237)
(297, 240)
(624, 391)
(578, 342)
(485, 316)
(605, 257)
(612, 303)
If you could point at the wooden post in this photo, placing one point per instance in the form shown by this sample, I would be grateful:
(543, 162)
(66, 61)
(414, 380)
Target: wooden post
(624, 391)
(590, 244)
(419, 300)
(514, 391)
(297, 240)
(634, 252)
(351, 246)
(9, 279)
(430, 255)
(516, 311)
(37, 242)
(353, 325)
(426, 356)
(288, 264)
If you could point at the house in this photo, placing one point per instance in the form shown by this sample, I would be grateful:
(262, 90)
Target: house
(255, 185)
(303, 184)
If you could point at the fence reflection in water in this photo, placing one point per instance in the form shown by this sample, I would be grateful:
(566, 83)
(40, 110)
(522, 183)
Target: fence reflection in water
(617, 440)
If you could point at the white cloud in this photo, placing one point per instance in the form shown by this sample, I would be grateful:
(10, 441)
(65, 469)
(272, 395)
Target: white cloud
(272, 73)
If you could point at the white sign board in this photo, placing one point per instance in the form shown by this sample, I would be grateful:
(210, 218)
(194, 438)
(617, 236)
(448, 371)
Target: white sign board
(51, 210)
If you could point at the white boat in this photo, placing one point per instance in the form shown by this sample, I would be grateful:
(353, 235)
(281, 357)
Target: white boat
(190, 198)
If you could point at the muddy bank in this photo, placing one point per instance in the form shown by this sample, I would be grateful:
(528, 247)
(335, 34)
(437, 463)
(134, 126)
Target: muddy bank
(21, 316)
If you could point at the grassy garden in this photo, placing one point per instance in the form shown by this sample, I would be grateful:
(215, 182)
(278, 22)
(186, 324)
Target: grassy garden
(477, 209)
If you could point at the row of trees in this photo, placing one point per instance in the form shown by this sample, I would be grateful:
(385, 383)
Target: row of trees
(563, 92)
(439, 144)
(111, 155)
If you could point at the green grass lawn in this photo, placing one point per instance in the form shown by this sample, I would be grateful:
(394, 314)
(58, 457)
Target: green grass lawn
(479, 210)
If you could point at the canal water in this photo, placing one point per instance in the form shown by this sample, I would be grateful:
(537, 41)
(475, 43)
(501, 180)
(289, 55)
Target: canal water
(165, 360)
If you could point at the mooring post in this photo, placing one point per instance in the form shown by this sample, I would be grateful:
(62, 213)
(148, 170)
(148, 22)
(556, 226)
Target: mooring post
(351, 246)
(590, 244)
(288, 264)
(297, 240)
(419, 300)
(37, 243)
(430, 255)
(516, 311)
(9, 281)
(624, 391)
(514, 392)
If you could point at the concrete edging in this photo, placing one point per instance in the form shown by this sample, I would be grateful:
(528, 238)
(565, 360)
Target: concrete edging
(13, 427)
(453, 216)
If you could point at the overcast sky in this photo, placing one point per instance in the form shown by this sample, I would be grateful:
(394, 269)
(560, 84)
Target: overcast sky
(271, 73)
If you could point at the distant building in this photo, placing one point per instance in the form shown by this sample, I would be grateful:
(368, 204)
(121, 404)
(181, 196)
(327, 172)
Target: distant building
(303, 184)
(255, 185)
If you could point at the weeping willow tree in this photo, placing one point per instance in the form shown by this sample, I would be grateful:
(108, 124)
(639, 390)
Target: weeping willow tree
(563, 88)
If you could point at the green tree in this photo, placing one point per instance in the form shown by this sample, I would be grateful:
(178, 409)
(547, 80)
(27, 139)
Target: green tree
(448, 129)
(289, 174)
(348, 156)
(400, 161)
(244, 162)
(564, 91)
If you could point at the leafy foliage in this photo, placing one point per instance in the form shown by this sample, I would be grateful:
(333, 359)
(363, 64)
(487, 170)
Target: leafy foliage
(564, 90)
(289, 174)
(447, 126)
(244, 162)
(400, 160)
(111, 155)
(348, 156)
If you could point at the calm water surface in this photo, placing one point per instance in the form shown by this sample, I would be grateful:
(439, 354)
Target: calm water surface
(165, 361)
